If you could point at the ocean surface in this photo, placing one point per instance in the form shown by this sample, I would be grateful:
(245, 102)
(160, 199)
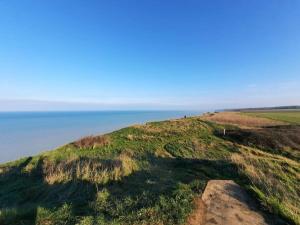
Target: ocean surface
(28, 133)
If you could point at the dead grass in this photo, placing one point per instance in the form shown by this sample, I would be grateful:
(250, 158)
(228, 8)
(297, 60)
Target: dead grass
(143, 137)
(162, 153)
(275, 179)
(130, 137)
(92, 142)
(3, 170)
(198, 145)
(88, 169)
(239, 119)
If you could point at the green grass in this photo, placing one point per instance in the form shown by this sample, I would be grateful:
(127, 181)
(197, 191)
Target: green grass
(141, 175)
(292, 117)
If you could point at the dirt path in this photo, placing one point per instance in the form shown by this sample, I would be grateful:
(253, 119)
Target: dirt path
(225, 203)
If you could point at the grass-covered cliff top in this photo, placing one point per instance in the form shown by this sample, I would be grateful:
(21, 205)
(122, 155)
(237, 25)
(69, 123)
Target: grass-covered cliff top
(150, 174)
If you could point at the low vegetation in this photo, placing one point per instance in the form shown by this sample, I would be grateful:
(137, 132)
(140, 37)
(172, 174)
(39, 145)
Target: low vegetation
(241, 120)
(292, 117)
(92, 142)
(282, 140)
(150, 174)
(274, 179)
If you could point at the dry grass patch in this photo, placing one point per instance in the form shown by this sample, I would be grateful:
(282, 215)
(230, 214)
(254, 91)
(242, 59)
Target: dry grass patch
(88, 169)
(162, 153)
(3, 170)
(199, 145)
(143, 137)
(275, 180)
(239, 119)
(92, 142)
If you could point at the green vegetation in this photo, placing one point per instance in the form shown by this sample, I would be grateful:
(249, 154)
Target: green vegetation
(146, 174)
(292, 117)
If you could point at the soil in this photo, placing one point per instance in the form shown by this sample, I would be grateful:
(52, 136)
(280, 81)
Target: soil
(225, 203)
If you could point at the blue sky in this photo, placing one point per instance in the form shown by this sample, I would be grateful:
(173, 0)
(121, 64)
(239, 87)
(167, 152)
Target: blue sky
(138, 54)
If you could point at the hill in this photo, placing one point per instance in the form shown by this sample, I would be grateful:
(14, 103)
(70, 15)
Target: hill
(150, 174)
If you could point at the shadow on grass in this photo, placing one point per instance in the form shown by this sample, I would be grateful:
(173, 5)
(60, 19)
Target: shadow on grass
(283, 140)
(26, 193)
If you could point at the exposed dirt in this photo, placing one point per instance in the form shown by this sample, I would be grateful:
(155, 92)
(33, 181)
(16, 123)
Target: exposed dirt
(225, 203)
(198, 216)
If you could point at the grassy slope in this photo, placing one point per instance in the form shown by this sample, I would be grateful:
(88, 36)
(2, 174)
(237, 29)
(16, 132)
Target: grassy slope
(142, 175)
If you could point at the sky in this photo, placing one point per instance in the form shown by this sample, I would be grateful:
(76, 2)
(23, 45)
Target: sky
(141, 54)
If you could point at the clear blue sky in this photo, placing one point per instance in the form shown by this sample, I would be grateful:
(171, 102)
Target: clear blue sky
(140, 54)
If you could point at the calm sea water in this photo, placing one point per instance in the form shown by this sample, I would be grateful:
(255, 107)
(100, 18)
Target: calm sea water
(28, 133)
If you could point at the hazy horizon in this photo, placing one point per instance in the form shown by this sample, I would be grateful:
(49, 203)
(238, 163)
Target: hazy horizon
(48, 106)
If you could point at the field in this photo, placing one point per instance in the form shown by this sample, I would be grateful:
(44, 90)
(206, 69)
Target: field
(241, 120)
(150, 174)
(284, 116)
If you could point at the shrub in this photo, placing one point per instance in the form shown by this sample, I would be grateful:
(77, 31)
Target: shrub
(92, 142)
(60, 216)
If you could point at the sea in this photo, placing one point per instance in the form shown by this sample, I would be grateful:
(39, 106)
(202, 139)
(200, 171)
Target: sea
(29, 133)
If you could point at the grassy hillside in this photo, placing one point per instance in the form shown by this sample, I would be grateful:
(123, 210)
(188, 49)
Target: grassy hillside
(148, 174)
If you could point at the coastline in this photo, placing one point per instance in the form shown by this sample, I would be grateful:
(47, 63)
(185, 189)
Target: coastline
(29, 133)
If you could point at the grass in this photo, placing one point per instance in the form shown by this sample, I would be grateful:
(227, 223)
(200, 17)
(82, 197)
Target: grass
(274, 179)
(282, 140)
(292, 117)
(147, 174)
(242, 120)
